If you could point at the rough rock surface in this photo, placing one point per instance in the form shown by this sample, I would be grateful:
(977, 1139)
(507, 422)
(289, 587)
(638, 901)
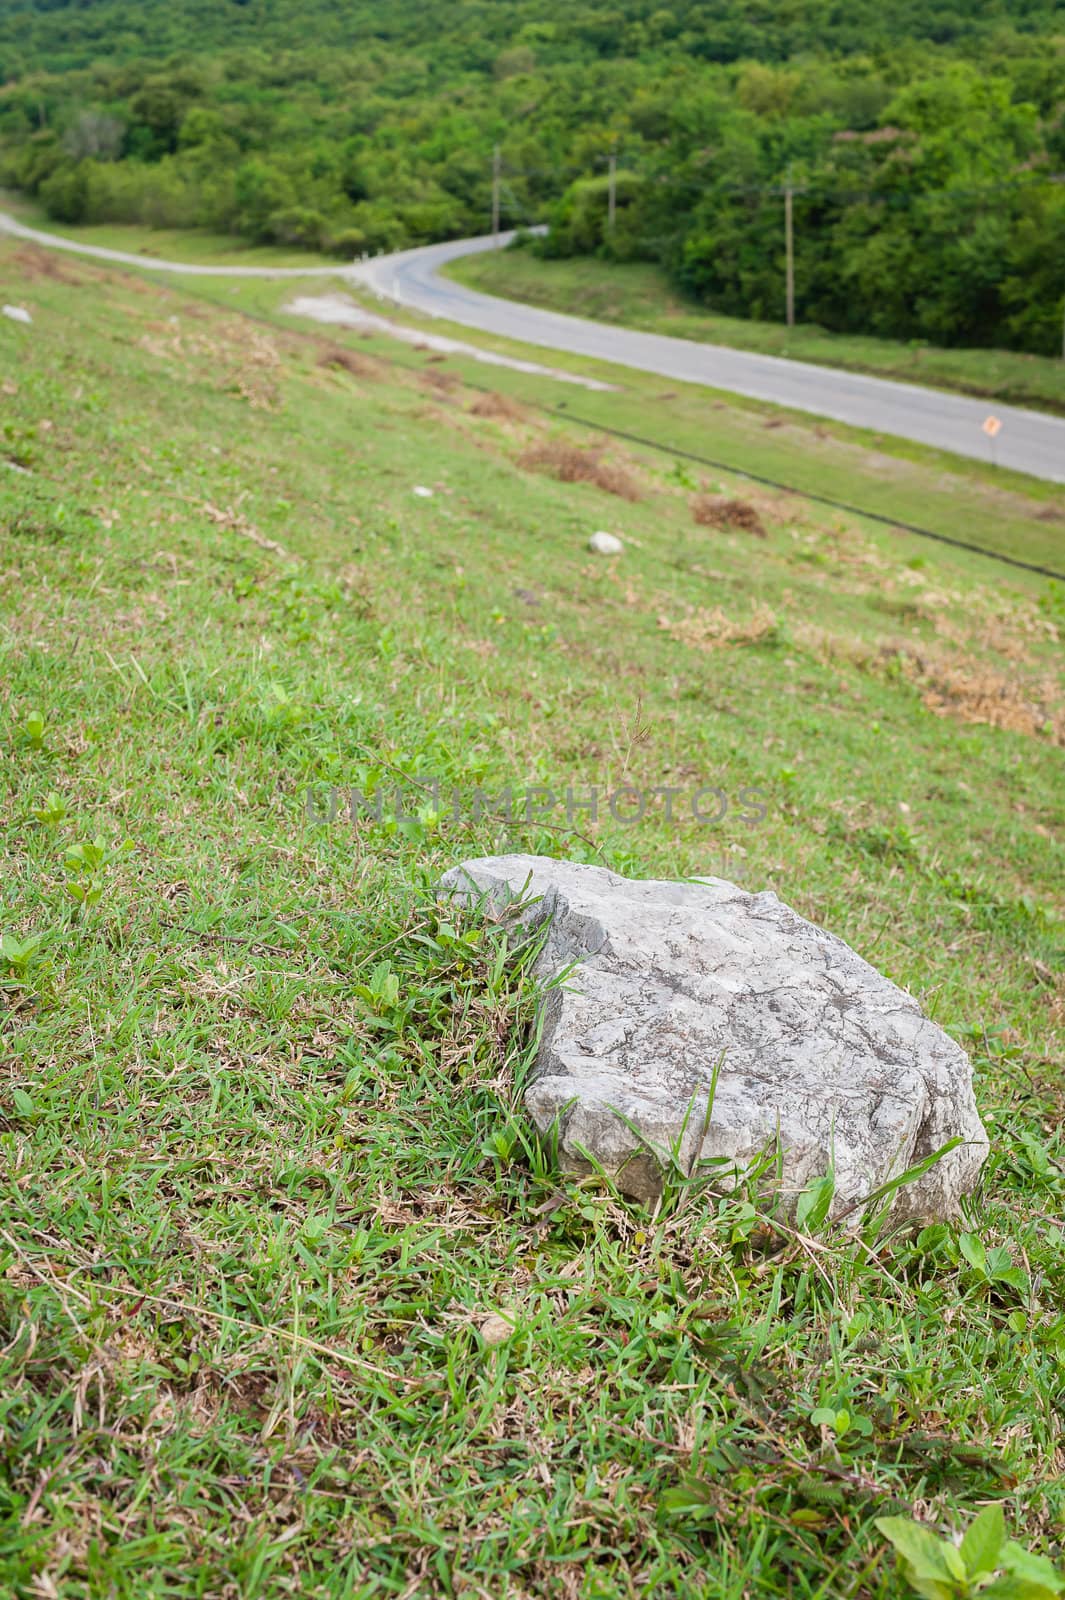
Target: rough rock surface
(820, 1055)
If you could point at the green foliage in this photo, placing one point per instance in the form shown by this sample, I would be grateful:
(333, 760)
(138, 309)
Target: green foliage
(921, 146)
(938, 1569)
(841, 1422)
(813, 1205)
(52, 812)
(16, 954)
(85, 867)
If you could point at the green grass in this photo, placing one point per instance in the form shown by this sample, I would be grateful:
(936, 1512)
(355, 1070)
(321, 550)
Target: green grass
(197, 246)
(265, 1175)
(641, 296)
(975, 502)
(978, 503)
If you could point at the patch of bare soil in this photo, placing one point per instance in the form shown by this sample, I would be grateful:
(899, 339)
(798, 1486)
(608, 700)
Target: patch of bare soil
(344, 312)
(35, 263)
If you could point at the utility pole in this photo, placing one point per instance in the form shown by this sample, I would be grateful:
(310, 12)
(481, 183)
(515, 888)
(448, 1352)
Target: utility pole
(497, 168)
(789, 247)
(612, 190)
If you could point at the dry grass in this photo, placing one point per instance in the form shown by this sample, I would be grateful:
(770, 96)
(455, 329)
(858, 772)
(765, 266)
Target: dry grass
(721, 511)
(437, 382)
(952, 685)
(498, 406)
(572, 463)
(341, 360)
(972, 692)
(34, 263)
(234, 521)
(712, 630)
(240, 360)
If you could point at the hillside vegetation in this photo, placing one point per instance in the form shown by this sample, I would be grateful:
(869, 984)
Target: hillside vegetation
(291, 1301)
(922, 142)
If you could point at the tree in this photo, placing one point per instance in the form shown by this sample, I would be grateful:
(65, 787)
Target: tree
(95, 136)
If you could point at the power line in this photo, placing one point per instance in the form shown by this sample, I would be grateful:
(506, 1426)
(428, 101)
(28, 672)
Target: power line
(901, 195)
(563, 410)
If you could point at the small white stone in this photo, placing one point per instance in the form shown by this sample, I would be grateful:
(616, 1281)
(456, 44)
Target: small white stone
(17, 313)
(605, 544)
(422, 492)
(496, 1329)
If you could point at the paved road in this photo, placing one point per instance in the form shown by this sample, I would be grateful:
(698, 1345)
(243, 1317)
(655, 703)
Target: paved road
(1029, 441)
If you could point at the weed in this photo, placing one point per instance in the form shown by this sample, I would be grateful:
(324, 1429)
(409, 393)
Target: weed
(85, 867)
(985, 1563)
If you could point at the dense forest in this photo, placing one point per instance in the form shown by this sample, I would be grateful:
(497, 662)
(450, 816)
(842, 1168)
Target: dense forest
(925, 145)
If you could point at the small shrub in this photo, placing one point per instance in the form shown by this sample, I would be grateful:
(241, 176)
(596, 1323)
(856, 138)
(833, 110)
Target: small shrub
(350, 243)
(297, 225)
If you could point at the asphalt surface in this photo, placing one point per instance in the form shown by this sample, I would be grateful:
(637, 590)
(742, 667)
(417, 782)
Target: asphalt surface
(1028, 441)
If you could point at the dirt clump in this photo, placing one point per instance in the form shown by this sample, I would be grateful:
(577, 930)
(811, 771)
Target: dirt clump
(721, 511)
(572, 463)
(499, 406)
(341, 360)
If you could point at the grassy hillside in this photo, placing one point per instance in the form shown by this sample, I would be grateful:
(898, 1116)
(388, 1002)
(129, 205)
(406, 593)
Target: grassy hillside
(639, 295)
(291, 1302)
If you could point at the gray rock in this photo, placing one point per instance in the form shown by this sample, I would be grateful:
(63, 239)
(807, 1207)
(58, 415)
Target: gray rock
(820, 1058)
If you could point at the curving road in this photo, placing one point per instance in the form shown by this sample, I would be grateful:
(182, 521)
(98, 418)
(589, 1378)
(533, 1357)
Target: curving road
(1028, 441)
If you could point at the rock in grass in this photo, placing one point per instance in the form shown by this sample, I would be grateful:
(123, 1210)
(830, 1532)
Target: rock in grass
(821, 1061)
(605, 544)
